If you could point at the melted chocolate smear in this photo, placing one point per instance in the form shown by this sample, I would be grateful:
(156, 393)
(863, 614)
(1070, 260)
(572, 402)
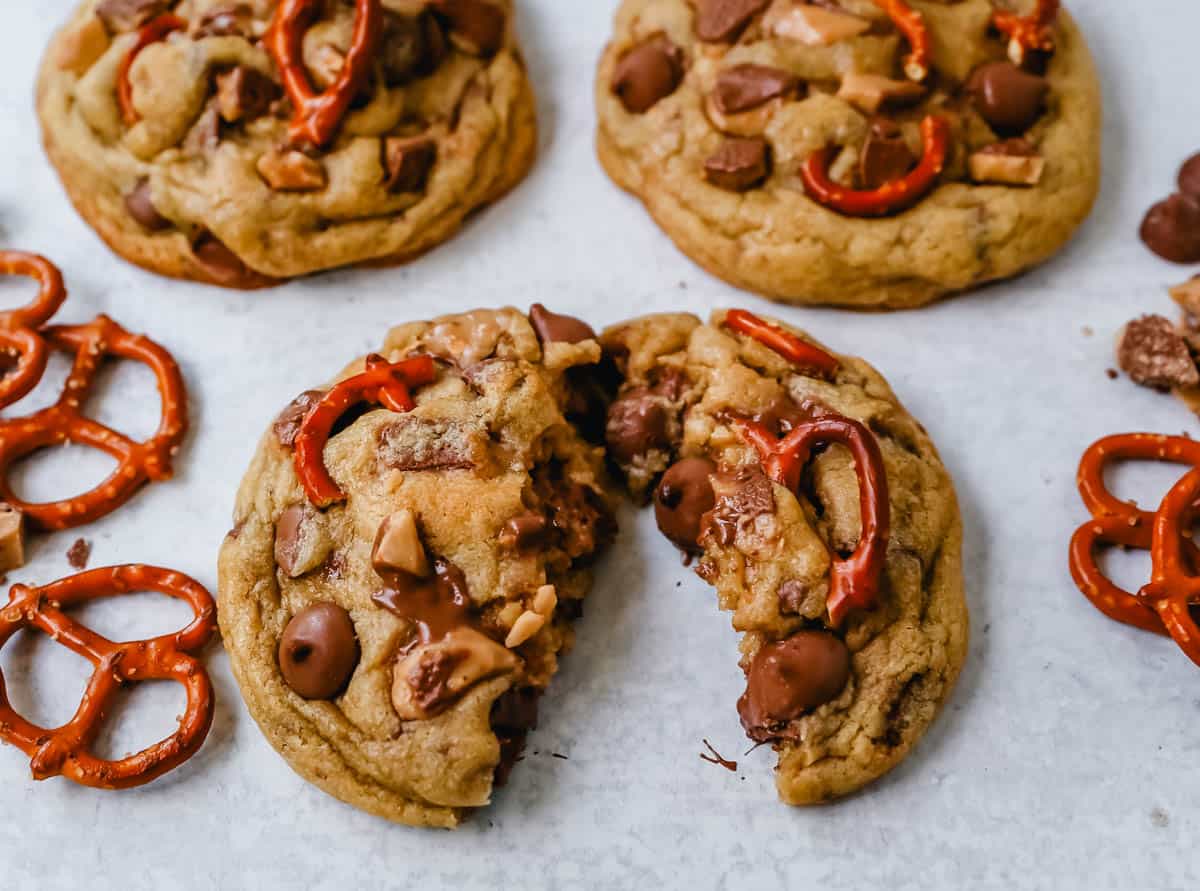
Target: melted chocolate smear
(717, 758)
(514, 714)
(437, 604)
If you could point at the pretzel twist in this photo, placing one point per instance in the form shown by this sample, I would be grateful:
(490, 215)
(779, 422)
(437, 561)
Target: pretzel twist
(152, 32)
(786, 344)
(62, 422)
(1031, 33)
(889, 198)
(911, 24)
(855, 580)
(1163, 605)
(383, 383)
(66, 750)
(318, 116)
(19, 327)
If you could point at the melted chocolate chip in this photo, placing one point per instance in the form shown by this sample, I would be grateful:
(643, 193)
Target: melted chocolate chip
(225, 267)
(140, 205)
(650, 71)
(748, 86)
(288, 423)
(790, 678)
(524, 532)
(741, 497)
(407, 162)
(552, 327)
(885, 156)
(724, 20)
(580, 522)
(792, 595)
(637, 424)
(437, 604)
(319, 651)
(1154, 354)
(739, 164)
(1189, 176)
(1171, 229)
(514, 714)
(683, 496)
(1009, 99)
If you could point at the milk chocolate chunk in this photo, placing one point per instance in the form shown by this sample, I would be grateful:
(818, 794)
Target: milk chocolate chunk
(683, 496)
(748, 86)
(739, 164)
(407, 162)
(319, 651)
(140, 205)
(1189, 176)
(885, 156)
(1008, 98)
(126, 15)
(637, 424)
(790, 678)
(524, 531)
(1171, 229)
(224, 266)
(554, 328)
(287, 424)
(724, 20)
(475, 26)
(301, 541)
(1153, 353)
(402, 47)
(650, 71)
(245, 93)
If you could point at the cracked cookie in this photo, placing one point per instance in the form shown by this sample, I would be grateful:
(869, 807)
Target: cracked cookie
(819, 510)
(877, 154)
(244, 142)
(410, 548)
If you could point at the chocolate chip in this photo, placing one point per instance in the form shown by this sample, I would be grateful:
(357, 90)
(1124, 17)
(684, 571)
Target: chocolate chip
(475, 26)
(140, 205)
(223, 266)
(748, 86)
(885, 156)
(1189, 176)
(739, 164)
(402, 48)
(126, 15)
(225, 21)
(1153, 353)
(637, 424)
(792, 677)
(524, 531)
(301, 542)
(407, 162)
(287, 424)
(683, 496)
(1171, 229)
(1009, 99)
(554, 328)
(245, 93)
(319, 651)
(650, 71)
(724, 20)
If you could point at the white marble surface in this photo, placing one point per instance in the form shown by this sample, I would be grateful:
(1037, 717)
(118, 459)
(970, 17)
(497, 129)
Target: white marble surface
(1065, 760)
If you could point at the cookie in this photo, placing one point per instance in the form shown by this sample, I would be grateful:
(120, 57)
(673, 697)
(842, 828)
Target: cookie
(819, 510)
(410, 549)
(820, 153)
(241, 144)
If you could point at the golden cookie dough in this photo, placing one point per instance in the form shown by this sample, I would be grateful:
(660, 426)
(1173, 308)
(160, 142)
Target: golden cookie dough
(768, 549)
(748, 218)
(490, 480)
(202, 181)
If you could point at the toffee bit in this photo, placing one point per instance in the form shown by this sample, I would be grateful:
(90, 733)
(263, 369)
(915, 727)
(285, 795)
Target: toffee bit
(717, 758)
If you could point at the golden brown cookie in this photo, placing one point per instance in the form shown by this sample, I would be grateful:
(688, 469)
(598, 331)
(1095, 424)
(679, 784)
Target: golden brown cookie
(819, 153)
(400, 582)
(210, 140)
(820, 511)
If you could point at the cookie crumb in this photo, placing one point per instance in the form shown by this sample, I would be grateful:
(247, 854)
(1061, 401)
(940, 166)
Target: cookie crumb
(1087, 331)
(1160, 818)
(560, 757)
(79, 553)
(717, 758)
(1112, 373)
(1154, 354)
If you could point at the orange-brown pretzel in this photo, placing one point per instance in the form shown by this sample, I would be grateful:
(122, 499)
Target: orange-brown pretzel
(66, 750)
(1174, 587)
(319, 115)
(1032, 33)
(855, 581)
(19, 327)
(1120, 523)
(893, 197)
(784, 343)
(152, 32)
(911, 24)
(137, 462)
(383, 383)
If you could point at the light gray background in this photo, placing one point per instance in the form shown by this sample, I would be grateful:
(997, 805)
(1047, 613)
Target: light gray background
(1066, 759)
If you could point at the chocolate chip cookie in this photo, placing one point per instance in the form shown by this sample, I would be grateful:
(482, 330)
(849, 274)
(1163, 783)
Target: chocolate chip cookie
(242, 143)
(410, 548)
(820, 511)
(868, 153)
